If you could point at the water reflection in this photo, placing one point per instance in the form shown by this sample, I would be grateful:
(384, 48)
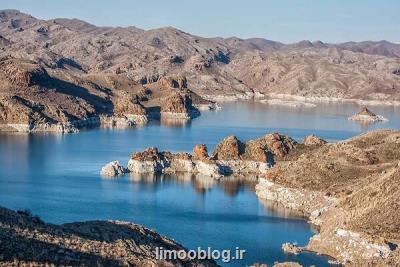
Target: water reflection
(175, 122)
(230, 185)
(280, 210)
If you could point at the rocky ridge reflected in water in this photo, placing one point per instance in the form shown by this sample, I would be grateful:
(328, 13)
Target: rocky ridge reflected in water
(230, 185)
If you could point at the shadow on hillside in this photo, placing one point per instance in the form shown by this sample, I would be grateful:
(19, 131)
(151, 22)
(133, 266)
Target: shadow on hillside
(100, 104)
(15, 247)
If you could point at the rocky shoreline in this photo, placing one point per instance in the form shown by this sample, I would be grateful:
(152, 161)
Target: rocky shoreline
(177, 106)
(297, 100)
(343, 196)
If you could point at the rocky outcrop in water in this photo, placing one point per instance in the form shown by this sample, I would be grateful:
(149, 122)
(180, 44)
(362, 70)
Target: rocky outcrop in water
(112, 169)
(178, 106)
(153, 161)
(26, 240)
(290, 248)
(367, 116)
(230, 156)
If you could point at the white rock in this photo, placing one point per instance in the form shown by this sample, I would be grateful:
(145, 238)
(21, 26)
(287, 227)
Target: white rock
(212, 170)
(112, 169)
(137, 166)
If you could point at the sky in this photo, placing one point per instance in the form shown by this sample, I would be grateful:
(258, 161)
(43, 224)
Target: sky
(280, 20)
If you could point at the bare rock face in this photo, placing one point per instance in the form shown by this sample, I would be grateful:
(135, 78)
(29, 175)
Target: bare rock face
(128, 111)
(149, 78)
(15, 110)
(153, 161)
(22, 73)
(150, 154)
(148, 161)
(312, 140)
(257, 151)
(177, 82)
(280, 145)
(128, 104)
(230, 148)
(178, 105)
(112, 169)
(200, 152)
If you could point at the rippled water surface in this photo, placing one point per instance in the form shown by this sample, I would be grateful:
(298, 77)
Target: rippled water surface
(57, 177)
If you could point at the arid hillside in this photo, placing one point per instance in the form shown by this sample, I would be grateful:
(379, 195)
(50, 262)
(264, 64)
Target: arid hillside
(351, 190)
(63, 70)
(26, 240)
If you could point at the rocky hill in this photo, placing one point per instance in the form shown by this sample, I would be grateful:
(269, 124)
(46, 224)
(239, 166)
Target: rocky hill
(25, 240)
(350, 190)
(68, 70)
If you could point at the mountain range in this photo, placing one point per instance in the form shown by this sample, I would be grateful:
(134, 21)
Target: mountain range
(71, 67)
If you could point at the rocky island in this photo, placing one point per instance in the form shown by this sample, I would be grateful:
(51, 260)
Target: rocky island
(367, 116)
(230, 156)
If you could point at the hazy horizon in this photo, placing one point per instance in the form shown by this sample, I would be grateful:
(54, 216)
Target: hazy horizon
(283, 21)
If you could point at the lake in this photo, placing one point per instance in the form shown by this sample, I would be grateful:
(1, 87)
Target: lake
(57, 177)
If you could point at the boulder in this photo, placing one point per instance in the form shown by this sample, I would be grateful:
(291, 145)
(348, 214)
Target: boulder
(256, 151)
(150, 154)
(280, 145)
(231, 148)
(312, 140)
(291, 248)
(209, 169)
(112, 169)
(200, 152)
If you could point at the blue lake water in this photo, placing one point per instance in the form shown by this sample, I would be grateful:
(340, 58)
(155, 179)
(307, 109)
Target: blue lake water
(57, 177)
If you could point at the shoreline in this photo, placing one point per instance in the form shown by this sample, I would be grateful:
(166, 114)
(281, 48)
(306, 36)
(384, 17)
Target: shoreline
(129, 120)
(343, 245)
(307, 101)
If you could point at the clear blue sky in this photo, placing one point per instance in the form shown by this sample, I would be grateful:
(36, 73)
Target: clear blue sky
(280, 20)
